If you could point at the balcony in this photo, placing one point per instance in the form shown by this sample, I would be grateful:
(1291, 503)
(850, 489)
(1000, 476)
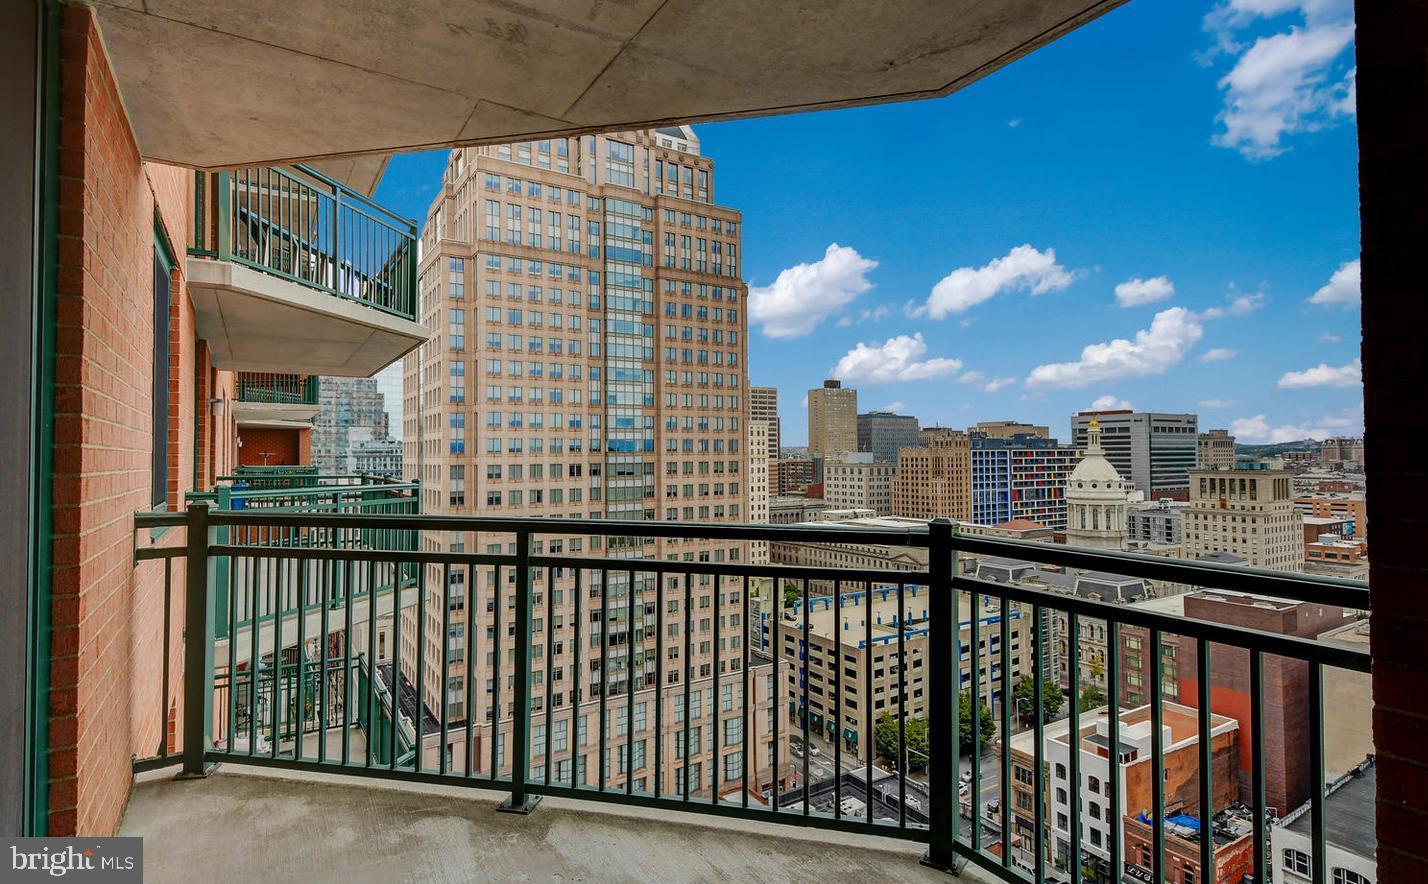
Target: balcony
(533, 699)
(293, 272)
(270, 399)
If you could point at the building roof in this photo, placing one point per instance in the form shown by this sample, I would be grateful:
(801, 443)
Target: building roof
(1022, 525)
(1348, 812)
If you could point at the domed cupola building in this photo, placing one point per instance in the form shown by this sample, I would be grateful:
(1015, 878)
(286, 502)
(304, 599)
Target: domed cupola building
(1096, 499)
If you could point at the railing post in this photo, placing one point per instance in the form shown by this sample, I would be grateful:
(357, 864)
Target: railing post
(223, 229)
(520, 801)
(197, 647)
(944, 680)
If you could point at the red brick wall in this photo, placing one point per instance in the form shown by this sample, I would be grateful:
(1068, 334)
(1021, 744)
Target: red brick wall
(105, 670)
(282, 446)
(1392, 47)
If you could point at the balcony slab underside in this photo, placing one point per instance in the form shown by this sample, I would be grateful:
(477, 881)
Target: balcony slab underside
(428, 73)
(256, 321)
(287, 826)
(297, 415)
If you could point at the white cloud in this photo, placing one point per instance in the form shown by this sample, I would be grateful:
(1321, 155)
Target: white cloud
(1136, 292)
(1022, 269)
(894, 406)
(1324, 375)
(1258, 429)
(1240, 305)
(1215, 403)
(1286, 82)
(1154, 350)
(896, 359)
(1329, 338)
(1014, 122)
(1110, 403)
(1342, 289)
(805, 294)
(1218, 353)
(971, 377)
(996, 384)
(867, 314)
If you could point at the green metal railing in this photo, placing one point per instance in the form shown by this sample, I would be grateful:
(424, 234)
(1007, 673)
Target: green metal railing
(300, 225)
(610, 644)
(278, 389)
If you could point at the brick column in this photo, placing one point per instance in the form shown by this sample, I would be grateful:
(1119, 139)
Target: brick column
(1392, 48)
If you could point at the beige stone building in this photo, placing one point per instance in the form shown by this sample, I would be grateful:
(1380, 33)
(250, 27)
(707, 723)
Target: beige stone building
(587, 361)
(1215, 450)
(935, 481)
(758, 486)
(1009, 429)
(1245, 512)
(832, 419)
(859, 483)
(763, 406)
(841, 633)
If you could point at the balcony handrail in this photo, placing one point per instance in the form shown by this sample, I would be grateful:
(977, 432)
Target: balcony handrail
(1257, 581)
(298, 224)
(320, 553)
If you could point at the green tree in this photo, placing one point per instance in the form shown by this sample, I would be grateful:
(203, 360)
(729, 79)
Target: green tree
(915, 742)
(1025, 696)
(1091, 698)
(791, 593)
(985, 726)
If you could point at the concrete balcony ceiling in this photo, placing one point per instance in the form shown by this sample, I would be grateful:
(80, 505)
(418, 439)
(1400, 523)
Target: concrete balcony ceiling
(274, 414)
(219, 85)
(255, 321)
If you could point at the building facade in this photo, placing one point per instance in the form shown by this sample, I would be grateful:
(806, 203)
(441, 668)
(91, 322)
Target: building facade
(935, 481)
(587, 360)
(345, 406)
(1215, 450)
(1009, 429)
(1153, 452)
(835, 652)
(859, 482)
(1019, 476)
(1245, 512)
(1131, 777)
(1158, 522)
(758, 487)
(763, 406)
(791, 476)
(832, 419)
(882, 433)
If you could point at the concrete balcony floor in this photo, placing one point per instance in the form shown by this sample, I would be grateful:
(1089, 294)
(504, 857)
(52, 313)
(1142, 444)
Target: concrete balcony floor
(278, 826)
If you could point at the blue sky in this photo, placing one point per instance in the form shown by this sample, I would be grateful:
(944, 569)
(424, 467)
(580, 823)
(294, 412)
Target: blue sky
(1160, 209)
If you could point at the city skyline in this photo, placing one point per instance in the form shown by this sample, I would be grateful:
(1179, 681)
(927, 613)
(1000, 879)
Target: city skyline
(1246, 238)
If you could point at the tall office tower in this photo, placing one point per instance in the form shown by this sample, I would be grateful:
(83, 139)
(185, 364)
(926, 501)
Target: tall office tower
(882, 433)
(345, 405)
(763, 406)
(832, 419)
(587, 362)
(1021, 476)
(935, 481)
(1215, 450)
(1151, 451)
(1247, 512)
(758, 487)
(1009, 429)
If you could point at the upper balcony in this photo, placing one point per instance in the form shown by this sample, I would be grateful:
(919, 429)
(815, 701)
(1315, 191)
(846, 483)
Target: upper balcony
(293, 272)
(271, 399)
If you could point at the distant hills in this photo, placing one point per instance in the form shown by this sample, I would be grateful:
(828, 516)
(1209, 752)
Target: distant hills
(1277, 448)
